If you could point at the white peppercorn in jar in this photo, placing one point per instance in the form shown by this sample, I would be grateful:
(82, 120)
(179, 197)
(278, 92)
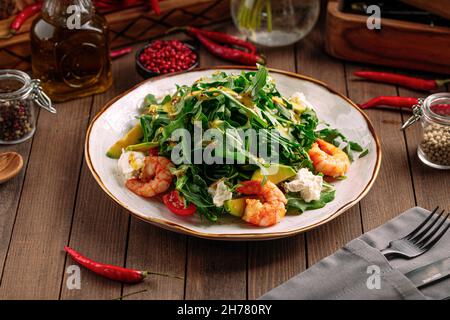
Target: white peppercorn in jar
(18, 93)
(434, 115)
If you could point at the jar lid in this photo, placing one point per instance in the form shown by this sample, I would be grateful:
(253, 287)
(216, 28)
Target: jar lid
(17, 85)
(14, 84)
(435, 107)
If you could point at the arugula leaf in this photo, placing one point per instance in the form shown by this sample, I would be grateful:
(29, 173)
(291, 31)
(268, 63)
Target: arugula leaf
(145, 124)
(330, 135)
(364, 153)
(195, 190)
(149, 100)
(259, 81)
(166, 99)
(297, 205)
(336, 138)
(355, 146)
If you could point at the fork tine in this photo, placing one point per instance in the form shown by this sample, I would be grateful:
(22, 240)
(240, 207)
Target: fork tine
(436, 239)
(422, 233)
(422, 224)
(430, 234)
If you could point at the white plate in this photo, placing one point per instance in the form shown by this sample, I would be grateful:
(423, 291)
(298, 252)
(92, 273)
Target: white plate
(118, 116)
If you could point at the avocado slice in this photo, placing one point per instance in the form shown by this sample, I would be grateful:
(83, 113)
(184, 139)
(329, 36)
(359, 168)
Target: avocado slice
(276, 173)
(235, 207)
(298, 108)
(142, 147)
(133, 136)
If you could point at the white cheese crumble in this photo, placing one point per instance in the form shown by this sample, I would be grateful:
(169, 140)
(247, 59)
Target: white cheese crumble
(130, 164)
(307, 184)
(220, 193)
(299, 102)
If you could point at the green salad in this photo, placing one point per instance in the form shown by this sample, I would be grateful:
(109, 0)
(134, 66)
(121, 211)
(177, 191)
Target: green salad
(232, 144)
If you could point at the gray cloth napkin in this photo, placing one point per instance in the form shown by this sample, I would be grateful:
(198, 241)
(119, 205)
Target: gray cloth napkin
(360, 271)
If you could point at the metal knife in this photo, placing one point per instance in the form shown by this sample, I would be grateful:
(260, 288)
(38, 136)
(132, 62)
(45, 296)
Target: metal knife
(430, 273)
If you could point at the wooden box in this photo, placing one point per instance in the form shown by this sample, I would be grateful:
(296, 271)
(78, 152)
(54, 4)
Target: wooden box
(126, 26)
(397, 44)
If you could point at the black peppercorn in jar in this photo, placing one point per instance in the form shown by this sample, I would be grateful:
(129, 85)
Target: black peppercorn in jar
(434, 146)
(18, 93)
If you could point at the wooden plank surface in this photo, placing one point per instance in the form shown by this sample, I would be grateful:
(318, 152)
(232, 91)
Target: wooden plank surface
(57, 202)
(10, 195)
(100, 226)
(392, 192)
(156, 250)
(35, 260)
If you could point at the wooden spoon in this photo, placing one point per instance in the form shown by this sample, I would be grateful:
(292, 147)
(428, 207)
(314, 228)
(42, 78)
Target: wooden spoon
(10, 165)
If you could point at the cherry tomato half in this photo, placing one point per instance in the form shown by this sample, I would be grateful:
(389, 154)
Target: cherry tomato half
(153, 152)
(175, 203)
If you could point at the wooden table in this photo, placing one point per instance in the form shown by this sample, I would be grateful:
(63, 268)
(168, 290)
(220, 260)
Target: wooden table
(55, 202)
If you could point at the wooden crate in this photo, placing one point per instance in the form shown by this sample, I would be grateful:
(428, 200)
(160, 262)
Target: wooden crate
(398, 44)
(126, 27)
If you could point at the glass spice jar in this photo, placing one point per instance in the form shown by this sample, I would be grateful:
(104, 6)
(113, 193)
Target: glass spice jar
(434, 115)
(18, 93)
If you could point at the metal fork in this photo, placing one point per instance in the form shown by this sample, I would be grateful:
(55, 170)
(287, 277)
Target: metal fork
(420, 240)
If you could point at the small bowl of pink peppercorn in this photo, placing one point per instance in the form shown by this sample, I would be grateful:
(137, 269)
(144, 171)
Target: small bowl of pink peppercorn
(166, 56)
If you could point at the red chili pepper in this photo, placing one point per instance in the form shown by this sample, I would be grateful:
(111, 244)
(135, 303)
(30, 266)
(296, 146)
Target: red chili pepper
(392, 101)
(120, 52)
(26, 13)
(155, 6)
(175, 203)
(222, 38)
(115, 5)
(409, 82)
(230, 53)
(108, 271)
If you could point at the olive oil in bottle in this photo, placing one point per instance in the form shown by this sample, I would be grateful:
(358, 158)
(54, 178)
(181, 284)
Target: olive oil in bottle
(70, 51)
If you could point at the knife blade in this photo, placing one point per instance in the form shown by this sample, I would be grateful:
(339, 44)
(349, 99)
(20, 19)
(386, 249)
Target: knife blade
(430, 273)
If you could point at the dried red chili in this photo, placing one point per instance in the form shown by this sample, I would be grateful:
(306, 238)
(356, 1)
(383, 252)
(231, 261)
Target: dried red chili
(405, 81)
(112, 272)
(155, 6)
(230, 53)
(108, 271)
(120, 52)
(222, 38)
(109, 5)
(23, 16)
(392, 101)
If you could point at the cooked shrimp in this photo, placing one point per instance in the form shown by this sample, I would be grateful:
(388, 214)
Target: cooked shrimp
(329, 159)
(268, 209)
(154, 179)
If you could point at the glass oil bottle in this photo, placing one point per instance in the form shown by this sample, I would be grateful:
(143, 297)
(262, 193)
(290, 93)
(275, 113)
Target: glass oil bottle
(70, 51)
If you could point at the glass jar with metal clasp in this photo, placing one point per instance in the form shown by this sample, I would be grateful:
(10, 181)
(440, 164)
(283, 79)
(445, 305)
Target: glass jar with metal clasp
(434, 115)
(18, 96)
